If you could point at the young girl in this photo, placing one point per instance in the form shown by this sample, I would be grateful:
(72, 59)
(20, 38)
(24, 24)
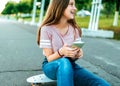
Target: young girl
(55, 36)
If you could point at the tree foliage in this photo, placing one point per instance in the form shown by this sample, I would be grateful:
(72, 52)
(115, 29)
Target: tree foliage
(26, 6)
(109, 7)
(83, 4)
(10, 8)
(46, 3)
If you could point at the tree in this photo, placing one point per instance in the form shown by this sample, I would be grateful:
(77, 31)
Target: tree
(46, 3)
(83, 4)
(10, 8)
(24, 6)
(109, 6)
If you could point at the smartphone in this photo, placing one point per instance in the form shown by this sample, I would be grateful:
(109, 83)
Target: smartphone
(78, 44)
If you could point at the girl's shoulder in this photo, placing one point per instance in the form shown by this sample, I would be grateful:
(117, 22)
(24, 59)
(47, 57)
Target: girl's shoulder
(76, 31)
(72, 28)
(47, 28)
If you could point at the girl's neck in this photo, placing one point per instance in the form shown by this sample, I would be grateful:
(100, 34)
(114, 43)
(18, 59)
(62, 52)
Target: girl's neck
(62, 24)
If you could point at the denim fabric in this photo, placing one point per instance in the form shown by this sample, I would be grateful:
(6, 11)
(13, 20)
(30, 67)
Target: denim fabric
(68, 73)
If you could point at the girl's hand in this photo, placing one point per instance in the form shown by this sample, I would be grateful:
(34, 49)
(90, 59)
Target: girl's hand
(68, 51)
(79, 53)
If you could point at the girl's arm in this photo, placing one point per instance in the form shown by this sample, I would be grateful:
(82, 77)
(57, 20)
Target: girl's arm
(65, 51)
(48, 52)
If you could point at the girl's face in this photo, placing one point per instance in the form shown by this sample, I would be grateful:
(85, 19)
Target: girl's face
(69, 12)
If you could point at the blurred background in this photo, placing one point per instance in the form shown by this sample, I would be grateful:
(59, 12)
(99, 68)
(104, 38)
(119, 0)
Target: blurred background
(22, 10)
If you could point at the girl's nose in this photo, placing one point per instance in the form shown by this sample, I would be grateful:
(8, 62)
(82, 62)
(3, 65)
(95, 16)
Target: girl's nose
(75, 8)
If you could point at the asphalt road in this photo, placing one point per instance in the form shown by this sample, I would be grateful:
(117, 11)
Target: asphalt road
(21, 58)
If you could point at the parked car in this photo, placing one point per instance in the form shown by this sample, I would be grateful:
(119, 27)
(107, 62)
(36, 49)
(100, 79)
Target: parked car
(83, 13)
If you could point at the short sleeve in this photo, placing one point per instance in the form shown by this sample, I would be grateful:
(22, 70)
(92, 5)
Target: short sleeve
(45, 38)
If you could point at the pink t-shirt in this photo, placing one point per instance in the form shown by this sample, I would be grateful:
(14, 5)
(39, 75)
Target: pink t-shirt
(51, 37)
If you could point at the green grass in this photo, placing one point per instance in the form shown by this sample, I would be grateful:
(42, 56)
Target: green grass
(104, 24)
(83, 21)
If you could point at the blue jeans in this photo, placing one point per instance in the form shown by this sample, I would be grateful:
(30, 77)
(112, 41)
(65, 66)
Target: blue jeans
(68, 73)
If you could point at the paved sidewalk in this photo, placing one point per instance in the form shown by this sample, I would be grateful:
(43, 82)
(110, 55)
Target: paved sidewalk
(21, 58)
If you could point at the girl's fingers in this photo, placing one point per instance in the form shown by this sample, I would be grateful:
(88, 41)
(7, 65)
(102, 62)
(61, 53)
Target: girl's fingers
(81, 53)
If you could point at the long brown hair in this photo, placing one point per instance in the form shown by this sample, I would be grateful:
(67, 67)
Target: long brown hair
(54, 12)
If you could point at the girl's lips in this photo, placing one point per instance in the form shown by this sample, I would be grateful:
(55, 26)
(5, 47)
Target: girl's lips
(72, 12)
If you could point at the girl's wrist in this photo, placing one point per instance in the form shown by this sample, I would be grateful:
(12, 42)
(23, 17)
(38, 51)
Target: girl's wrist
(60, 52)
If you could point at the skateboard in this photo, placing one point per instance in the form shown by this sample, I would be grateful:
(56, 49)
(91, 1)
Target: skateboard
(36, 80)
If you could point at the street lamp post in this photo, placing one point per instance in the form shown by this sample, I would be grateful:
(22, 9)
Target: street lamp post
(34, 12)
(95, 13)
(41, 11)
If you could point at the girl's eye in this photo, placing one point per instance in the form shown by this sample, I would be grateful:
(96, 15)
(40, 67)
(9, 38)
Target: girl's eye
(71, 4)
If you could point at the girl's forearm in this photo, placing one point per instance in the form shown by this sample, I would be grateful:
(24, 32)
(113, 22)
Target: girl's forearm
(53, 56)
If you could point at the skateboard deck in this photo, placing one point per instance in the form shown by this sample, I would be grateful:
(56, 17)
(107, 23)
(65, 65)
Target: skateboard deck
(41, 78)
